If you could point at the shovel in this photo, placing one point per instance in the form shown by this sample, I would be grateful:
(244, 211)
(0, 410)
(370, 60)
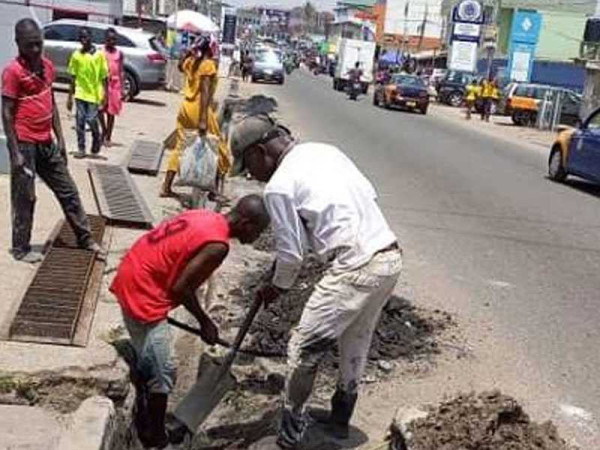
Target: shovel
(214, 382)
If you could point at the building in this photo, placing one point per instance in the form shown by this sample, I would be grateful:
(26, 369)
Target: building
(563, 25)
(354, 19)
(93, 10)
(411, 25)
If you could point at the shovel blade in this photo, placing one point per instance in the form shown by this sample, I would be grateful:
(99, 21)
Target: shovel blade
(205, 395)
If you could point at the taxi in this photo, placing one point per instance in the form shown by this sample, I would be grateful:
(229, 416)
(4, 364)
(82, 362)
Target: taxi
(576, 151)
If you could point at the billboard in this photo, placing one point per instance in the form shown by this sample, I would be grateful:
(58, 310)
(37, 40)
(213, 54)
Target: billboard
(413, 17)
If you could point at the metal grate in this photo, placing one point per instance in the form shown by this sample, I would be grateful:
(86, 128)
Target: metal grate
(145, 157)
(51, 306)
(117, 196)
(66, 237)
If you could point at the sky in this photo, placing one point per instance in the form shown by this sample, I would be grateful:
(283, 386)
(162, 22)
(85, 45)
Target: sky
(322, 5)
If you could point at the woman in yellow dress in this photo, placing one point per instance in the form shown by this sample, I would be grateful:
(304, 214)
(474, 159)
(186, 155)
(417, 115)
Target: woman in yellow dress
(197, 112)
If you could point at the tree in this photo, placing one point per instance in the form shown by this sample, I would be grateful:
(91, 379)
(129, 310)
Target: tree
(310, 15)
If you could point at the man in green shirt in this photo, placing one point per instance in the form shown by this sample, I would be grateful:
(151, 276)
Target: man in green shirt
(89, 72)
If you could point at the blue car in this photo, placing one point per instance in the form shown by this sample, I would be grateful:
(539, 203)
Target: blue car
(576, 151)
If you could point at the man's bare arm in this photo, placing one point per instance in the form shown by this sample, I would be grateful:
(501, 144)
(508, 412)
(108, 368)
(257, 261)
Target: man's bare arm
(205, 101)
(197, 271)
(57, 128)
(8, 121)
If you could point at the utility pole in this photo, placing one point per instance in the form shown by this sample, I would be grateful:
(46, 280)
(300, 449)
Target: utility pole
(590, 57)
(493, 24)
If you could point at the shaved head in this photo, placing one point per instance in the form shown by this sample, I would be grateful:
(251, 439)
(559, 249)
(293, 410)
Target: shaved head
(248, 219)
(30, 42)
(24, 26)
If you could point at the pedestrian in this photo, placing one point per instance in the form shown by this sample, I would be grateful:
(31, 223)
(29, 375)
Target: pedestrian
(197, 112)
(473, 94)
(494, 98)
(89, 71)
(318, 198)
(486, 97)
(247, 67)
(116, 81)
(163, 270)
(30, 116)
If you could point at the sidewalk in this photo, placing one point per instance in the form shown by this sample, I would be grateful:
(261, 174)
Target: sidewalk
(500, 127)
(57, 379)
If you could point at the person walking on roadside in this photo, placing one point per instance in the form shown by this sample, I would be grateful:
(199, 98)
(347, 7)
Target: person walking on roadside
(494, 98)
(89, 71)
(473, 94)
(486, 98)
(114, 91)
(163, 270)
(197, 112)
(29, 116)
(318, 198)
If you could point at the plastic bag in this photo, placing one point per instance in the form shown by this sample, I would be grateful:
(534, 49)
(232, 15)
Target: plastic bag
(198, 166)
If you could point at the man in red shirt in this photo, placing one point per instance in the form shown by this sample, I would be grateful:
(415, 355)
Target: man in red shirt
(163, 270)
(29, 116)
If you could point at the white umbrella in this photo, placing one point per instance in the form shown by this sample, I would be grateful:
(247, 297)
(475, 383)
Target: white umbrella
(193, 21)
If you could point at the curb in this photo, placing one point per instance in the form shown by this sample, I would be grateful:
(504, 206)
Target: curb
(91, 427)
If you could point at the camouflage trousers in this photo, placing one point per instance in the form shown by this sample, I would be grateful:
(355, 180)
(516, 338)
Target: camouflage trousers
(46, 161)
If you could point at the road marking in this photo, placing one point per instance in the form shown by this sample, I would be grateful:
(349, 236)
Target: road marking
(580, 417)
(500, 284)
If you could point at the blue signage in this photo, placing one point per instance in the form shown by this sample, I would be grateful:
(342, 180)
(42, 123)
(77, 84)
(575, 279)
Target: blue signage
(526, 27)
(524, 36)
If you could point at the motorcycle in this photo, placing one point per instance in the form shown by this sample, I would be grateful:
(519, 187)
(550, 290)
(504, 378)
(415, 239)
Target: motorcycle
(354, 88)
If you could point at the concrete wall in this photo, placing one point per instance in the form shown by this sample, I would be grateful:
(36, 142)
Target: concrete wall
(560, 36)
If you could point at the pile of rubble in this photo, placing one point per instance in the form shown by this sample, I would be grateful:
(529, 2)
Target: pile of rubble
(488, 421)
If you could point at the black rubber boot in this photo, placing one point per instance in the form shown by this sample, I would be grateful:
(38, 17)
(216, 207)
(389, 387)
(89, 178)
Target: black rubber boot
(337, 423)
(156, 435)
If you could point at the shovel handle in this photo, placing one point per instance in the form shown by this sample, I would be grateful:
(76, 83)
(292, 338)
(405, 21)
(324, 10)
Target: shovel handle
(256, 304)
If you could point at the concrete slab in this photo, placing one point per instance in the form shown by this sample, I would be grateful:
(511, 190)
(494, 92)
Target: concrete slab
(91, 426)
(28, 428)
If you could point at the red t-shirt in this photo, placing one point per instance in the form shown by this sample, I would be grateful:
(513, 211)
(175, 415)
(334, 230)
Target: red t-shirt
(151, 267)
(33, 95)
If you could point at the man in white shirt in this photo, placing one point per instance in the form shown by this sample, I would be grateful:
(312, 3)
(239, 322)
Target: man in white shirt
(319, 200)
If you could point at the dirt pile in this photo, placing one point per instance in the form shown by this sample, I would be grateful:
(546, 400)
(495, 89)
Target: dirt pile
(488, 421)
(404, 331)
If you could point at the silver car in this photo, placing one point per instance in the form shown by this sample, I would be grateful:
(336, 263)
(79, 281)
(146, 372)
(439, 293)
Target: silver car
(145, 63)
(268, 66)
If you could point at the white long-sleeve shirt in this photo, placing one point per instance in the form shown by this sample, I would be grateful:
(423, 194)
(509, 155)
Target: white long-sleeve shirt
(317, 197)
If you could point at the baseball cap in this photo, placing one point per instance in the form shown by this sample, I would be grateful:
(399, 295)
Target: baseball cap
(246, 133)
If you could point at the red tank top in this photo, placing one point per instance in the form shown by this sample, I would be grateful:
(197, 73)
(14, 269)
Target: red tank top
(151, 267)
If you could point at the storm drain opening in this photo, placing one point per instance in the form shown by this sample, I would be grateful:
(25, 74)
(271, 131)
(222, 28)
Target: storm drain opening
(145, 157)
(59, 303)
(118, 197)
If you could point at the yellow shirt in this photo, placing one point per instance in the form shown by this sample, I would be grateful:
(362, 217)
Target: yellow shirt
(193, 73)
(89, 70)
(473, 91)
(487, 90)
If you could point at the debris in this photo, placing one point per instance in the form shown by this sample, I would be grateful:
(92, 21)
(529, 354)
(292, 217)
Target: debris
(385, 366)
(488, 421)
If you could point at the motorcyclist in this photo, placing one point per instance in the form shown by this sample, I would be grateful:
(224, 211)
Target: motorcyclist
(355, 76)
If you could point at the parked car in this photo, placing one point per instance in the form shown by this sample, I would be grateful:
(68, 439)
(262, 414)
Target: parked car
(268, 66)
(525, 101)
(452, 88)
(403, 91)
(576, 151)
(145, 63)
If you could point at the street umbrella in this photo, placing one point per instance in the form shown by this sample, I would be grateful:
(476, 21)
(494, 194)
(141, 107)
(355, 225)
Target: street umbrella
(192, 21)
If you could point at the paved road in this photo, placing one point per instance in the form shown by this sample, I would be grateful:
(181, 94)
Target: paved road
(515, 256)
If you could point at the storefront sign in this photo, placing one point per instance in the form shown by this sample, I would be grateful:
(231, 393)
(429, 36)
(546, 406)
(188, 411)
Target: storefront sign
(463, 56)
(524, 37)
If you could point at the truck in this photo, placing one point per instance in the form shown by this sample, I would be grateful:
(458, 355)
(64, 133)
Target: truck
(351, 51)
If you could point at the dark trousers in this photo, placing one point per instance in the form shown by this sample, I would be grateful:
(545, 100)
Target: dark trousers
(48, 163)
(87, 113)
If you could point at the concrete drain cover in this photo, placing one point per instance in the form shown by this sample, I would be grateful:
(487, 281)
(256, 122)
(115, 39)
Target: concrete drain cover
(117, 196)
(145, 157)
(60, 292)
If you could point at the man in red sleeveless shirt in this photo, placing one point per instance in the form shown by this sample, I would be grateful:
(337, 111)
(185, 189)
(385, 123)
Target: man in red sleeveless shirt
(163, 270)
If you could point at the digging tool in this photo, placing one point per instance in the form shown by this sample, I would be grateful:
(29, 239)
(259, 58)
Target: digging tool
(223, 343)
(214, 381)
